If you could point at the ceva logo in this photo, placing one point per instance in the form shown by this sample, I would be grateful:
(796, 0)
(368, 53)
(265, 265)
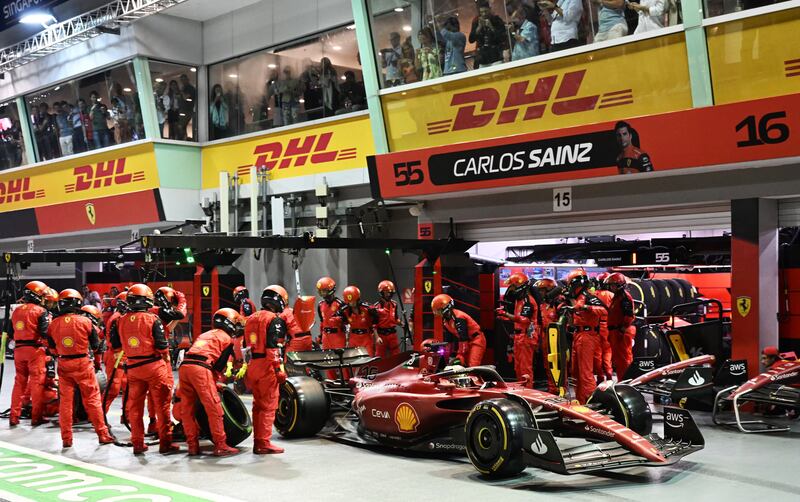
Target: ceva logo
(481, 107)
(297, 152)
(102, 174)
(18, 189)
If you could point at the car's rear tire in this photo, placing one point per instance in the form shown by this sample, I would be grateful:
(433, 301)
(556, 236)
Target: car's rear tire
(303, 408)
(235, 419)
(626, 405)
(494, 437)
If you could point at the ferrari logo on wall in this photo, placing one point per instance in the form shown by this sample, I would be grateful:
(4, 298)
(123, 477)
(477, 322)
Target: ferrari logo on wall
(428, 285)
(90, 213)
(8, 257)
(743, 304)
(206, 290)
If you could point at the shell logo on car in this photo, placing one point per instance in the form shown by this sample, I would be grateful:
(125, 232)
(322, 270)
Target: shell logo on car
(406, 418)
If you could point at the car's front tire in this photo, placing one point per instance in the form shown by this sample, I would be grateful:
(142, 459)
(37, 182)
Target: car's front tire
(495, 439)
(626, 405)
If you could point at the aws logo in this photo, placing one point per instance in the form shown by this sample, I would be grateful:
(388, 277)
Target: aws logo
(17, 190)
(482, 107)
(103, 174)
(297, 152)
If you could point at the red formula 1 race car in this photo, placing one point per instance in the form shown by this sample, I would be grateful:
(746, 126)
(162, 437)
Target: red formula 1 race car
(502, 427)
(691, 383)
(778, 388)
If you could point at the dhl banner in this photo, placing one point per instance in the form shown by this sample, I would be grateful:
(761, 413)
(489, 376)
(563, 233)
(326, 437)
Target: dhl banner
(731, 134)
(755, 57)
(318, 149)
(115, 172)
(641, 78)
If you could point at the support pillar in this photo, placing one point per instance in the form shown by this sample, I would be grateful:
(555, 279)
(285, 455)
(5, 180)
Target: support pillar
(754, 278)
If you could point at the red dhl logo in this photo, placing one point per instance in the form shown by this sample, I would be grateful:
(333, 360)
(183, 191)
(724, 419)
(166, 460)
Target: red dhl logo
(19, 189)
(297, 152)
(481, 107)
(104, 174)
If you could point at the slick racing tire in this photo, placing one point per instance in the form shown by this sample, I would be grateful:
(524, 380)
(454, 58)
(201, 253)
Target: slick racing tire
(677, 292)
(495, 439)
(625, 405)
(689, 292)
(235, 418)
(302, 408)
(649, 295)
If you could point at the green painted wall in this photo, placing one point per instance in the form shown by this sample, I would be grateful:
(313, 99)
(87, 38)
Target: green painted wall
(179, 166)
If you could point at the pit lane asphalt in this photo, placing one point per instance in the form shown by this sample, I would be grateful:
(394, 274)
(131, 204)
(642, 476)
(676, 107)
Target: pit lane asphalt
(732, 467)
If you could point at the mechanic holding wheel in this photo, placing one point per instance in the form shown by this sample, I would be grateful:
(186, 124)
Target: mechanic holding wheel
(519, 306)
(264, 332)
(587, 311)
(71, 336)
(197, 374)
(462, 331)
(140, 334)
(388, 320)
(360, 319)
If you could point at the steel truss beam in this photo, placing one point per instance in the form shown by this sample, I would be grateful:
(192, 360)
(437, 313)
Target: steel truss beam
(104, 19)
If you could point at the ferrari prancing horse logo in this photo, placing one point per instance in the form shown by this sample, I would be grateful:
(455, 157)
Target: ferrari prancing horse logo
(90, 213)
(428, 285)
(743, 304)
(206, 290)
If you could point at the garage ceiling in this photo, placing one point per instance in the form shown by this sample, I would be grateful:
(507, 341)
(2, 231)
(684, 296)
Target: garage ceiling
(203, 10)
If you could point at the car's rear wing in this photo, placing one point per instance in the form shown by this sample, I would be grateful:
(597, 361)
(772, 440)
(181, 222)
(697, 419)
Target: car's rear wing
(681, 437)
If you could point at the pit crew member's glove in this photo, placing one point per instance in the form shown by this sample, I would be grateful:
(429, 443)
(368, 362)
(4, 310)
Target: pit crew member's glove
(242, 371)
(228, 369)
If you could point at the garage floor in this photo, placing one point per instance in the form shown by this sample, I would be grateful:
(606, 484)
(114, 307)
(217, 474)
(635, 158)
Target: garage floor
(733, 467)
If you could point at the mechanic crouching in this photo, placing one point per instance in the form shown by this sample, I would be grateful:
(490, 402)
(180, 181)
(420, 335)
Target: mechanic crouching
(461, 330)
(208, 356)
(264, 332)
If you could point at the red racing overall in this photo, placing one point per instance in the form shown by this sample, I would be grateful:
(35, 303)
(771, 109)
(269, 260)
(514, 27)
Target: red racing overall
(109, 359)
(141, 336)
(387, 327)
(466, 334)
(298, 340)
(602, 358)
(208, 354)
(586, 320)
(71, 337)
(621, 331)
(330, 325)
(526, 334)
(29, 323)
(263, 331)
(362, 326)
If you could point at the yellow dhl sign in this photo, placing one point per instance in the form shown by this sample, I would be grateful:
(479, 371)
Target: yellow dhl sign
(608, 84)
(318, 149)
(754, 57)
(115, 172)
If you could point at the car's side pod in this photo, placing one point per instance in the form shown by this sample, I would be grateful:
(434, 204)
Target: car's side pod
(679, 426)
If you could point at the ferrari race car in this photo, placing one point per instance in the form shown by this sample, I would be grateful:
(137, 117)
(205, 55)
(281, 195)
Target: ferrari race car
(691, 383)
(778, 387)
(413, 403)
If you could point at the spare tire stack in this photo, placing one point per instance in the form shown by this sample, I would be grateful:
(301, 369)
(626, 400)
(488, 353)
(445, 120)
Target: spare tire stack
(660, 295)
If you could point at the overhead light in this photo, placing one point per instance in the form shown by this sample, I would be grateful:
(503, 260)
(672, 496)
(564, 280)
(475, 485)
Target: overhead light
(301, 100)
(337, 47)
(57, 88)
(344, 78)
(233, 75)
(398, 9)
(192, 69)
(159, 80)
(272, 65)
(188, 99)
(38, 17)
(126, 89)
(182, 114)
(351, 27)
(407, 27)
